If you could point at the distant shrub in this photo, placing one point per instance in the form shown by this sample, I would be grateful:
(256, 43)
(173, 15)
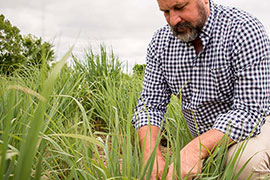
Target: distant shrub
(138, 69)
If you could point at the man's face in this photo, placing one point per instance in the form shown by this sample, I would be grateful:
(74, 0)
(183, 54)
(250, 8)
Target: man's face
(185, 17)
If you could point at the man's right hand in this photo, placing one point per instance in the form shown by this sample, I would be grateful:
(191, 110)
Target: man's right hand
(148, 140)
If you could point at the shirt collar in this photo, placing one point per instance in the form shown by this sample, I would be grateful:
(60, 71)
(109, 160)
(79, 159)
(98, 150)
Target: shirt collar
(208, 27)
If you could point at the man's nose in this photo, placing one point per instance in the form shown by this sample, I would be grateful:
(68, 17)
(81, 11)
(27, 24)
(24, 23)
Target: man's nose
(174, 18)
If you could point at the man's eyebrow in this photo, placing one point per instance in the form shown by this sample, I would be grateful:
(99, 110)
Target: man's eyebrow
(181, 3)
(177, 4)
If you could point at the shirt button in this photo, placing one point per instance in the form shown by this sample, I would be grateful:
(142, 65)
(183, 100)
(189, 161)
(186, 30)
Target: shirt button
(196, 90)
(195, 68)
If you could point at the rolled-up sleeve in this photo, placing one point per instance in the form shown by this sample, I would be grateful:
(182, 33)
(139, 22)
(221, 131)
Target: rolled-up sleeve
(155, 96)
(251, 63)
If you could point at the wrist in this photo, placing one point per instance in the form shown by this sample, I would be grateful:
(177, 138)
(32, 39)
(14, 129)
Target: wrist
(196, 148)
(206, 143)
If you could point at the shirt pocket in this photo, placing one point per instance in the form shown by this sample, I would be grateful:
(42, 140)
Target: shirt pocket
(223, 78)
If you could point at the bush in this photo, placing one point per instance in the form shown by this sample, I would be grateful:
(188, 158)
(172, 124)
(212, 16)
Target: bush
(138, 70)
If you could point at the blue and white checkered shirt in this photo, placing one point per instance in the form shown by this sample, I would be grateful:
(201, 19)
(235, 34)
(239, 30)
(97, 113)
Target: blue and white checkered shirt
(226, 85)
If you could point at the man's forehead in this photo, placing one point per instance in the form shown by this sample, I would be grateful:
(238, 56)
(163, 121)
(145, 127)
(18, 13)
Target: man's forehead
(171, 2)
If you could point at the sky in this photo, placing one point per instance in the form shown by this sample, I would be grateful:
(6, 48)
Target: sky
(124, 26)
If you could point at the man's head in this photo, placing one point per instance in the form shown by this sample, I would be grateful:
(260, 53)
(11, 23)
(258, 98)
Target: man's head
(185, 17)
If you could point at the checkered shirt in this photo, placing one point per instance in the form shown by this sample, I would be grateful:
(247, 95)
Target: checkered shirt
(225, 87)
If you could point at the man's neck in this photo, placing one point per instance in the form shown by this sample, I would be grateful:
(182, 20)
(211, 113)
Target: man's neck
(197, 43)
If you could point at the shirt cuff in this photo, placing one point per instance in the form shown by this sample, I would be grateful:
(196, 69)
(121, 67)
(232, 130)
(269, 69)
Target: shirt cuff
(239, 125)
(152, 117)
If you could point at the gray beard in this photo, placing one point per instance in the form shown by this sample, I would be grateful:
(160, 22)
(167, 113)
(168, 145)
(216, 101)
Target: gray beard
(186, 37)
(194, 30)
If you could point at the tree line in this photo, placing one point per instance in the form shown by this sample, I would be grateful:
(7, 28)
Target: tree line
(17, 51)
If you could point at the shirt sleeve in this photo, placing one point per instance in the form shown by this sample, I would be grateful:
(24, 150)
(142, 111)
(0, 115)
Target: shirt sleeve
(251, 63)
(155, 96)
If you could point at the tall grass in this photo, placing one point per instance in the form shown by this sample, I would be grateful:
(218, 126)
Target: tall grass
(74, 123)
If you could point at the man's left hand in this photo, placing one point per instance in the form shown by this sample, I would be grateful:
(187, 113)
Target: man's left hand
(194, 152)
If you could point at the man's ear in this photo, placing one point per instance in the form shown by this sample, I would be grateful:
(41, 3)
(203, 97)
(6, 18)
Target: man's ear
(206, 1)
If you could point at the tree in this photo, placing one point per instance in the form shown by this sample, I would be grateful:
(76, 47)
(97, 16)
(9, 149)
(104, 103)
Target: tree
(17, 51)
(35, 51)
(11, 54)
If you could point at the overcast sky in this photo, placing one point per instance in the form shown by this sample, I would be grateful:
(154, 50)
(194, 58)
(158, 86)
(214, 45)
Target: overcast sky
(126, 26)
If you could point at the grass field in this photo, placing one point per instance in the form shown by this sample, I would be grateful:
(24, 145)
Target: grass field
(74, 123)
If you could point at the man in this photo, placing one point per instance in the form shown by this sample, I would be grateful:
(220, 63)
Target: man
(219, 57)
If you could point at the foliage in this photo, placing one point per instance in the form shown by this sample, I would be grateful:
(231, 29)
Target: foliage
(47, 125)
(99, 70)
(138, 69)
(17, 51)
(11, 54)
(36, 51)
(98, 67)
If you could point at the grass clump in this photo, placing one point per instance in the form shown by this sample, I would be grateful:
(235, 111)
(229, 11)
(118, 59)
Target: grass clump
(74, 123)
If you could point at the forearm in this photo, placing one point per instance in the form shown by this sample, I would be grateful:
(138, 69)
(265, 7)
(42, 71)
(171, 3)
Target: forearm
(148, 136)
(206, 142)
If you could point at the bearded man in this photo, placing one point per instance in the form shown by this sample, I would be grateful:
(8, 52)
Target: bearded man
(219, 57)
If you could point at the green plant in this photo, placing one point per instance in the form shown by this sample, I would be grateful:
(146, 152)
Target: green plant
(50, 125)
(138, 70)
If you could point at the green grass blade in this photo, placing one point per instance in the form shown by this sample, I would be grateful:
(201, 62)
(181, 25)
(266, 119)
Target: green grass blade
(5, 137)
(29, 146)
